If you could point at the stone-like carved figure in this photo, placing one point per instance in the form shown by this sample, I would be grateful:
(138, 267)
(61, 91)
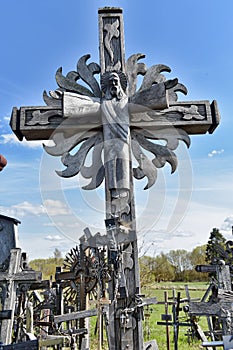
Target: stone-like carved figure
(115, 119)
(112, 112)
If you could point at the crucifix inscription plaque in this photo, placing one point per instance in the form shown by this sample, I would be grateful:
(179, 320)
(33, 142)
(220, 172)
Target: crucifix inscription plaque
(117, 121)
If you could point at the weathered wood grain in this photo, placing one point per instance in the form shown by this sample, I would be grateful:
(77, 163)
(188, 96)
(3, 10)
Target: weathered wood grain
(75, 315)
(13, 277)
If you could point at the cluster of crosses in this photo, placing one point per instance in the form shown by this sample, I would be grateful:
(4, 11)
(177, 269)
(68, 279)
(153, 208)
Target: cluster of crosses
(215, 305)
(116, 121)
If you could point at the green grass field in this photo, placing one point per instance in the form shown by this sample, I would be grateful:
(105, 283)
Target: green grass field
(154, 331)
(158, 332)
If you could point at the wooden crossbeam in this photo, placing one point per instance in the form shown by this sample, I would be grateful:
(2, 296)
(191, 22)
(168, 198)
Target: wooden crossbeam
(75, 315)
(21, 120)
(5, 314)
(29, 345)
(52, 340)
(226, 343)
(204, 308)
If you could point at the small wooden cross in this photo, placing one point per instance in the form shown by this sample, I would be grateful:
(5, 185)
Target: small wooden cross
(11, 279)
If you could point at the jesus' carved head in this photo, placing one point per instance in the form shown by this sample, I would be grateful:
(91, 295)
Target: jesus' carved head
(114, 85)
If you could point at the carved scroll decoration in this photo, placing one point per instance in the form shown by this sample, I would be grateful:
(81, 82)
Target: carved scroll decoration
(42, 118)
(180, 112)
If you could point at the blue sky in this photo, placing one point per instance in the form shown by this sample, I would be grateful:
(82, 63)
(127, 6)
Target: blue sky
(194, 38)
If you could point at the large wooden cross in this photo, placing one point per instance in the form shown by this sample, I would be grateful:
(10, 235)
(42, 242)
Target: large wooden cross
(117, 121)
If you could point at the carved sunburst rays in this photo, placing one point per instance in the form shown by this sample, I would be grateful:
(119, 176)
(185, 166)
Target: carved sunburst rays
(151, 75)
(75, 164)
(84, 72)
(141, 141)
(92, 140)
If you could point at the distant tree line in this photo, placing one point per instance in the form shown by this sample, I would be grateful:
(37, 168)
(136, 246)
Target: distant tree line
(48, 266)
(179, 265)
(176, 265)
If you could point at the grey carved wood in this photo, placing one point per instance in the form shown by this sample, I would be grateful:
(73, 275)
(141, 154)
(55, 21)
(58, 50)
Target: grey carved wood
(219, 305)
(116, 119)
(8, 239)
(29, 345)
(10, 281)
(15, 278)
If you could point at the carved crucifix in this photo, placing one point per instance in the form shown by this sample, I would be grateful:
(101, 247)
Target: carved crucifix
(119, 122)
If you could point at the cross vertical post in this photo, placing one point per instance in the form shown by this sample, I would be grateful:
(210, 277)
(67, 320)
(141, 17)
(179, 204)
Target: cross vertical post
(9, 304)
(119, 186)
(111, 40)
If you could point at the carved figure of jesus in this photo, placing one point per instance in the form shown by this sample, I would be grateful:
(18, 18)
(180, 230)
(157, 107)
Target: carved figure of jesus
(116, 131)
(112, 112)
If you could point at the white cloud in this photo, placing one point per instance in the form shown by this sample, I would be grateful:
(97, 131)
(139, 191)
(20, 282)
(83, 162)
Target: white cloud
(8, 138)
(51, 207)
(227, 224)
(56, 207)
(12, 139)
(23, 209)
(182, 234)
(215, 153)
(61, 224)
(163, 235)
(53, 238)
(41, 247)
